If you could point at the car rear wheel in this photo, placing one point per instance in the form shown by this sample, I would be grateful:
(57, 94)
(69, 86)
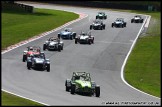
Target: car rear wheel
(44, 47)
(90, 27)
(28, 65)
(48, 68)
(59, 48)
(71, 37)
(112, 25)
(141, 21)
(89, 42)
(97, 91)
(76, 41)
(24, 58)
(132, 21)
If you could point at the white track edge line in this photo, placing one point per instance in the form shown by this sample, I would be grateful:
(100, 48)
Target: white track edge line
(122, 69)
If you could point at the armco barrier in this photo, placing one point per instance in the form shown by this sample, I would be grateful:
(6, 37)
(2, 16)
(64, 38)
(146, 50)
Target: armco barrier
(106, 4)
(16, 6)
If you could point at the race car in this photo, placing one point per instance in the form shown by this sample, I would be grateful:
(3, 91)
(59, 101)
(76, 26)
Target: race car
(81, 83)
(137, 19)
(101, 15)
(38, 61)
(67, 34)
(97, 24)
(119, 22)
(84, 38)
(30, 50)
(53, 43)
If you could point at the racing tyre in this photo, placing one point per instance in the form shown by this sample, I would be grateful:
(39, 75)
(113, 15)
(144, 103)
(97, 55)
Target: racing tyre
(24, 58)
(103, 26)
(93, 40)
(112, 25)
(73, 89)
(62, 48)
(48, 67)
(90, 27)
(67, 88)
(141, 21)
(96, 17)
(97, 91)
(59, 36)
(76, 41)
(132, 21)
(121, 25)
(59, 48)
(44, 47)
(28, 65)
(74, 35)
(71, 37)
(89, 42)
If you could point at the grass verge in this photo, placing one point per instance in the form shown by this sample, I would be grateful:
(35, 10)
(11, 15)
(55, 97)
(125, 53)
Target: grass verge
(12, 100)
(21, 26)
(142, 69)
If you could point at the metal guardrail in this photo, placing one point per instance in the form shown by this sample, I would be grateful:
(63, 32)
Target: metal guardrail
(14, 6)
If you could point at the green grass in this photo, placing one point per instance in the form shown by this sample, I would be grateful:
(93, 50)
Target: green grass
(20, 26)
(143, 66)
(12, 100)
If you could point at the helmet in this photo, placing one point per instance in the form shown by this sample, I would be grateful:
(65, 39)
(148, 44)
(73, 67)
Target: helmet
(30, 48)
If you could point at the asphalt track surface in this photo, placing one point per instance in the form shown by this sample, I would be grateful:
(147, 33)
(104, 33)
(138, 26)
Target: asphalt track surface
(103, 60)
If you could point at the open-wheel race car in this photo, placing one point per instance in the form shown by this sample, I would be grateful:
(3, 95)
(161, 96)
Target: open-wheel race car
(38, 61)
(101, 15)
(31, 50)
(81, 83)
(67, 34)
(84, 38)
(53, 43)
(97, 24)
(137, 19)
(119, 22)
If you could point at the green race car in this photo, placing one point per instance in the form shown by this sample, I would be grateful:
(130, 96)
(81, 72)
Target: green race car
(101, 15)
(81, 83)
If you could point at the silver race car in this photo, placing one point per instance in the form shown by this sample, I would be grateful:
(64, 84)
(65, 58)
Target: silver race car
(101, 15)
(53, 44)
(119, 22)
(67, 34)
(97, 24)
(137, 19)
(84, 38)
(38, 61)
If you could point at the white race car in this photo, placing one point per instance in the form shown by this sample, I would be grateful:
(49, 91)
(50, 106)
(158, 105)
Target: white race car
(84, 38)
(53, 44)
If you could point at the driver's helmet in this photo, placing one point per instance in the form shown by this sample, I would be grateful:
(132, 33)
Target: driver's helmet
(42, 55)
(83, 33)
(77, 77)
(31, 55)
(30, 48)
